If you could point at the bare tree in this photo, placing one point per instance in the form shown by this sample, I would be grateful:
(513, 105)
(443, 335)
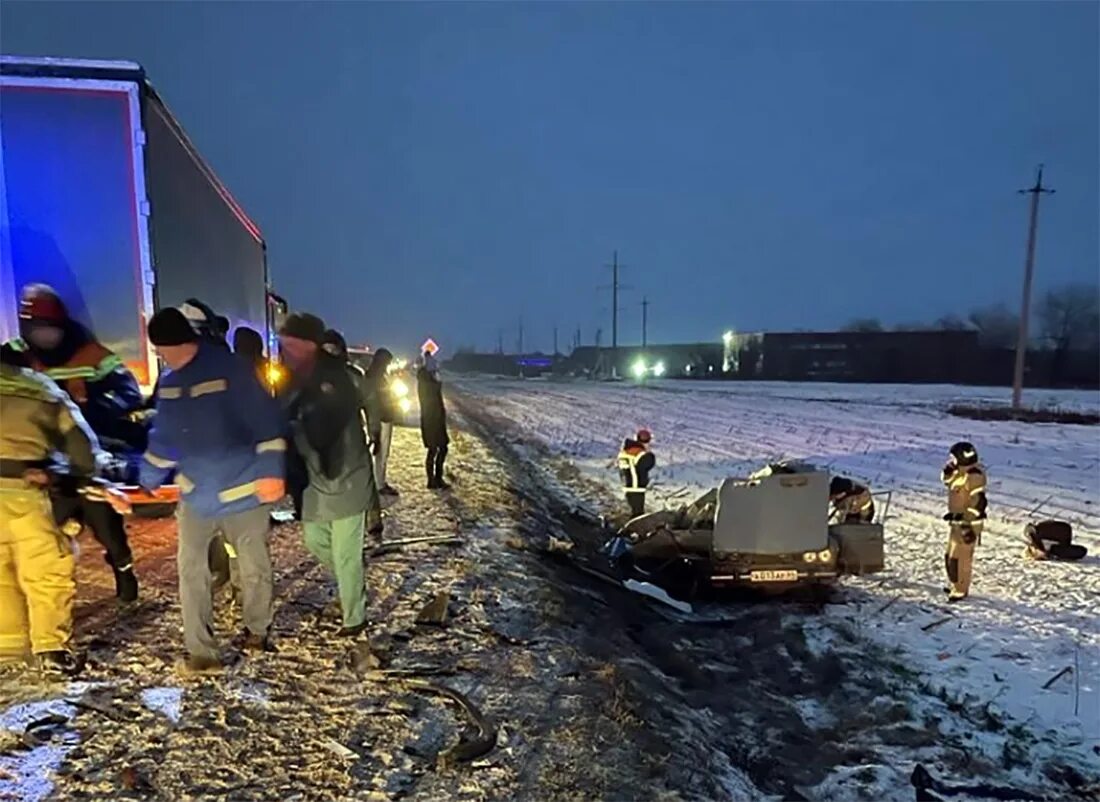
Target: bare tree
(864, 325)
(997, 326)
(1069, 318)
(950, 323)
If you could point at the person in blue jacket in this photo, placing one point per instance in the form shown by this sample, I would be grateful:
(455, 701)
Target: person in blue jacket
(222, 434)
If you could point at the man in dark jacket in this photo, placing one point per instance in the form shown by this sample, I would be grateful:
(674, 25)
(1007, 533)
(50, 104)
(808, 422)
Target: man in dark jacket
(433, 421)
(336, 347)
(635, 463)
(380, 415)
(327, 430)
(106, 394)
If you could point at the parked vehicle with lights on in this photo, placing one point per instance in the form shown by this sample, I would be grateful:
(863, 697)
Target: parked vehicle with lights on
(402, 389)
(107, 200)
(769, 531)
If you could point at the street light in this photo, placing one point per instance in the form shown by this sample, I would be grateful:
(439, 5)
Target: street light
(639, 369)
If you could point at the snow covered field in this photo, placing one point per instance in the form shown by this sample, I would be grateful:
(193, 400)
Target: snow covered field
(1025, 622)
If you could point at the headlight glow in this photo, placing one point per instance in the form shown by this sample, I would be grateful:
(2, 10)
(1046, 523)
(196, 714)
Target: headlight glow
(825, 555)
(399, 388)
(809, 556)
(639, 368)
(274, 374)
(659, 369)
(405, 405)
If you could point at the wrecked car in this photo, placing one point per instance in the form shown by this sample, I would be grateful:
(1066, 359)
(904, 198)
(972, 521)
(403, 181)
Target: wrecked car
(769, 531)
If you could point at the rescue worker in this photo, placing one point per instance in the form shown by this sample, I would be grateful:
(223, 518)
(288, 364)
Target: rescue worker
(380, 416)
(635, 463)
(108, 397)
(966, 512)
(221, 433)
(327, 431)
(336, 346)
(433, 421)
(851, 502)
(36, 559)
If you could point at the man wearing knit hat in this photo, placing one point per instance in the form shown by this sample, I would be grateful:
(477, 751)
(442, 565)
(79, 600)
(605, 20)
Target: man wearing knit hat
(221, 433)
(328, 435)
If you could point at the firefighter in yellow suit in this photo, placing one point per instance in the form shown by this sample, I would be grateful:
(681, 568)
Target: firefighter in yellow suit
(966, 513)
(36, 559)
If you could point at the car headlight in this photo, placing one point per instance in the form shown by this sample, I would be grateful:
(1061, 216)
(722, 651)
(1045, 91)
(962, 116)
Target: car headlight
(405, 405)
(809, 556)
(825, 555)
(399, 388)
(639, 369)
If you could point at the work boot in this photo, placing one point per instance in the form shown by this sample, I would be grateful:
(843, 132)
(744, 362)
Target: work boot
(389, 490)
(126, 586)
(955, 597)
(351, 632)
(441, 485)
(199, 665)
(60, 662)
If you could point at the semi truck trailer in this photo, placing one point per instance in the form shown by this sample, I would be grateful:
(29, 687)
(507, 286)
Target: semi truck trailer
(105, 198)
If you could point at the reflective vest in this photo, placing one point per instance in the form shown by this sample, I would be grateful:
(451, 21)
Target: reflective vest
(628, 469)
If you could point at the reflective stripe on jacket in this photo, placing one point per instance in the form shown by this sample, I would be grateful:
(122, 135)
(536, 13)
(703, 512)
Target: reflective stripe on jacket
(635, 463)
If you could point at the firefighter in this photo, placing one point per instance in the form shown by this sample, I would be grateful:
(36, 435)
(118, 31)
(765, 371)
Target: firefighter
(36, 559)
(851, 502)
(108, 397)
(635, 463)
(966, 513)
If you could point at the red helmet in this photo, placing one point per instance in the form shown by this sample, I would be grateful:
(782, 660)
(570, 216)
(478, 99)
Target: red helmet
(644, 436)
(40, 303)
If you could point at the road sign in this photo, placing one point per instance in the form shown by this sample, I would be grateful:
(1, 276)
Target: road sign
(429, 347)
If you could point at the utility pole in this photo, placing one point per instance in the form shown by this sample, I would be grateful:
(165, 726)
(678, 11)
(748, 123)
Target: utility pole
(1029, 271)
(500, 341)
(519, 344)
(645, 319)
(555, 340)
(614, 300)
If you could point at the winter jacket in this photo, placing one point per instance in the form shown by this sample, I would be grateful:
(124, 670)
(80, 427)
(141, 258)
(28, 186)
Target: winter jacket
(97, 381)
(378, 402)
(966, 502)
(433, 412)
(219, 430)
(327, 428)
(635, 464)
(41, 423)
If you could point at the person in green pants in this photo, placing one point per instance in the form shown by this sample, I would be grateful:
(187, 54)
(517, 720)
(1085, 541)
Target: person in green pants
(328, 436)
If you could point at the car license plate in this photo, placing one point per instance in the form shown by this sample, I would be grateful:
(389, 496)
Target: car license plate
(773, 576)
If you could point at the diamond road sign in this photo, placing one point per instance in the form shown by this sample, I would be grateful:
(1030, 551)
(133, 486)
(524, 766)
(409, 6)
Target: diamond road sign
(429, 347)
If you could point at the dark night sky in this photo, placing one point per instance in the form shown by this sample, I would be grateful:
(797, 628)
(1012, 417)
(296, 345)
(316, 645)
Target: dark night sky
(444, 169)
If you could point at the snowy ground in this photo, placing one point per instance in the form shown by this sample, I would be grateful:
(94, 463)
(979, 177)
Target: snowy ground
(591, 692)
(1025, 622)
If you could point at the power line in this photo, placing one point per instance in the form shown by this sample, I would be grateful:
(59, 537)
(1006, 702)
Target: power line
(645, 319)
(1029, 271)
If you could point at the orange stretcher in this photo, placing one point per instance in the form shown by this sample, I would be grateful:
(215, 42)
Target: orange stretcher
(166, 494)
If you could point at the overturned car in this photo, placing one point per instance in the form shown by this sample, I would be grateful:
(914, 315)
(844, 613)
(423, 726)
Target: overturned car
(769, 531)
